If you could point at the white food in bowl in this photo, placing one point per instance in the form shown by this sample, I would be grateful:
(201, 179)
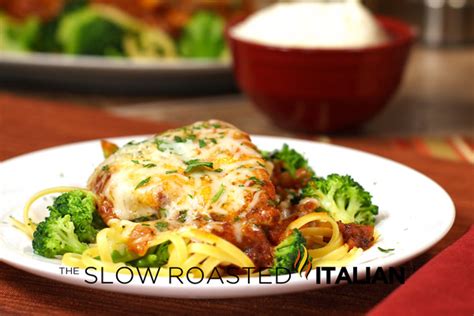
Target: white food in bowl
(345, 24)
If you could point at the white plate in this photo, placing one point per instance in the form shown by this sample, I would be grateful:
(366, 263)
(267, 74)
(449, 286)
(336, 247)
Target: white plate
(415, 213)
(122, 75)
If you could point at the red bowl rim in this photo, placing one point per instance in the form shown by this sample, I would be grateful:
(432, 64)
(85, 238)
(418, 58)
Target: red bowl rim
(401, 33)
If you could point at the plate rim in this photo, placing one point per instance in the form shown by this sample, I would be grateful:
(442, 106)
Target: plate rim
(295, 286)
(66, 62)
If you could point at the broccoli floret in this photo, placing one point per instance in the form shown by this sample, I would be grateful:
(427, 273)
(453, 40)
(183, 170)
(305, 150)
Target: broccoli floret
(287, 252)
(17, 35)
(291, 160)
(85, 31)
(155, 257)
(55, 236)
(81, 206)
(344, 199)
(203, 36)
(45, 40)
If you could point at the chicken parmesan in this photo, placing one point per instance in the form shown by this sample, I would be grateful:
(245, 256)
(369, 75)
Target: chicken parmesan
(207, 175)
(204, 197)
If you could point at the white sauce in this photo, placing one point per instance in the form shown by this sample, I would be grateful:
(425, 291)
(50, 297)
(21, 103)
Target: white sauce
(344, 24)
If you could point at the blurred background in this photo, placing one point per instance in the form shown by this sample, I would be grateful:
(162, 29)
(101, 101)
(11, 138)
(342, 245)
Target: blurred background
(186, 70)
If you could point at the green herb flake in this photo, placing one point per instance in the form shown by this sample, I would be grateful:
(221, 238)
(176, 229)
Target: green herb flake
(163, 212)
(237, 219)
(213, 140)
(161, 226)
(257, 181)
(136, 162)
(149, 165)
(179, 139)
(144, 218)
(261, 164)
(202, 143)
(106, 168)
(171, 171)
(143, 182)
(219, 193)
(216, 125)
(182, 216)
(272, 202)
(159, 143)
(385, 250)
(196, 164)
(218, 170)
(131, 143)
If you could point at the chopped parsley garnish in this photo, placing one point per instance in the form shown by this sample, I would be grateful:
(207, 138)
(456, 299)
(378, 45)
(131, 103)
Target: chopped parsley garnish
(219, 193)
(213, 140)
(236, 219)
(145, 218)
(159, 143)
(202, 143)
(272, 202)
(257, 181)
(163, 212)
(190, 196)
(143, 182)
(182, 216)
(105, 168)
(191, 137)
(135, 162)
(385, 250)
(218, 170)
(179, 139)
(196, 164)
(260, 164)
(216, 125)
(130, 143)
(171, 171)
(149, 165)
(161, 226)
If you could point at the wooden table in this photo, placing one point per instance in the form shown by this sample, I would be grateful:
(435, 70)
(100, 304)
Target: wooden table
(27, 125)
(435, 99)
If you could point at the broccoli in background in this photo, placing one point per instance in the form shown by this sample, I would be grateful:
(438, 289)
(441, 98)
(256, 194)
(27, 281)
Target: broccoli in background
(203, 36)
(55, 236)
(344, 199)
(81, 207)
(85, 31)
(16, 35)
(287, 252)
(45, 39)
(291, 160)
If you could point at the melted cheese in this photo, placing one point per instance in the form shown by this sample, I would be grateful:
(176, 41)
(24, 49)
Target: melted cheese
(151, 177)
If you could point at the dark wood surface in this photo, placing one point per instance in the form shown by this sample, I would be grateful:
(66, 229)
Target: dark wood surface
(26, 125)
(434, 99)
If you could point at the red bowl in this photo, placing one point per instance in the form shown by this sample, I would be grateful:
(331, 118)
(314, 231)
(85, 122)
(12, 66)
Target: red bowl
(321, 90)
